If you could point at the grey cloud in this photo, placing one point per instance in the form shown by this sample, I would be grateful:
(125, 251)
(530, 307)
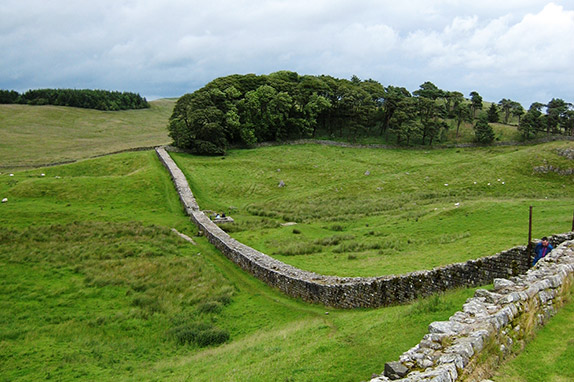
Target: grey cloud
(166, 48)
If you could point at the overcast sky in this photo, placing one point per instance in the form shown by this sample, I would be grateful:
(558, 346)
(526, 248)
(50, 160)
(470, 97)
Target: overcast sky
(517, 49)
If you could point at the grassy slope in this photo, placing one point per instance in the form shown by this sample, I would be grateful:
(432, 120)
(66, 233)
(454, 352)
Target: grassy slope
(402, 217)
(549, 357)
(36, 135)
(92, 290)
(89, 289)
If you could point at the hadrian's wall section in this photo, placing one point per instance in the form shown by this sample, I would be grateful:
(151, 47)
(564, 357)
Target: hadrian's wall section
(491, 325)
(350, 292)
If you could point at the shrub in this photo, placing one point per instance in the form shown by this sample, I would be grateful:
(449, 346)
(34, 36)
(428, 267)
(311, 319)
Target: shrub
(336, 227)
(201, 334)
(209, 307)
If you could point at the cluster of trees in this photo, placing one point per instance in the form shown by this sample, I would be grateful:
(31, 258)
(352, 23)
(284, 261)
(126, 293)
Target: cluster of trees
(84, 98)
(246, 109)
(558, 118)
(241, 110)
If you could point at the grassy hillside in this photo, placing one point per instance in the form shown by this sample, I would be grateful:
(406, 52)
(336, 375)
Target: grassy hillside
(414, 210)
(549, 357)
(95, 286)
(37, 135)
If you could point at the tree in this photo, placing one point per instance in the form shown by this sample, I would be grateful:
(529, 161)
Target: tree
(505, 107)
(393, 97)
(198, 125)
(517, 111)
(492, 114)
(476, 102)
(555, 113)
(316, 106)
(429, 90)
(429, 113)
(404, 122)
(8, 96)
(508, 107)
(532, 122)
(483, 131)
(568, 122)
(462, 112)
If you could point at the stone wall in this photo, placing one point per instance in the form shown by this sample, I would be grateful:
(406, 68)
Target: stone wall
(491, 325)
(350, 292)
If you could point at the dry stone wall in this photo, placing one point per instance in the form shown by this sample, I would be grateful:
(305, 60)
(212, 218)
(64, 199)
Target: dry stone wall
(349, 292)
(490, 325)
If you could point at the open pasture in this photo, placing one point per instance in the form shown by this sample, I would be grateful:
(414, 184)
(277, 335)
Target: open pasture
(369, 212)
(39, 135)
(95, 286)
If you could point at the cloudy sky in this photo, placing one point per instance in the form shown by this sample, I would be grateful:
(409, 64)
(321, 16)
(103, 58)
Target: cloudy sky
(517, 49)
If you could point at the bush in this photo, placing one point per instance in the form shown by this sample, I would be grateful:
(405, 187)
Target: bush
(209, 307)
(207, 148)
(200, 333)
(483, 131)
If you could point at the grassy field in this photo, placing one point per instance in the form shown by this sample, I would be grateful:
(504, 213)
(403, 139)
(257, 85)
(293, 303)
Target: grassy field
(414, 210)
(549, 357)
(38, 135)
(96, 287)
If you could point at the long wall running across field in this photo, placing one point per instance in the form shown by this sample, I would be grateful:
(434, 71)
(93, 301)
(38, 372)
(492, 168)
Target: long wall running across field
(350, 292)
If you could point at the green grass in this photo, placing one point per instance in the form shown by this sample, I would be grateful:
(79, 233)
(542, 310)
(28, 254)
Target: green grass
(37, 135)
(96, 287)
(416, 210)
(549, 357)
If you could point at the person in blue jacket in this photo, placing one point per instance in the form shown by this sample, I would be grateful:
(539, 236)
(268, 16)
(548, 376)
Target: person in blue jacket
(542, 249)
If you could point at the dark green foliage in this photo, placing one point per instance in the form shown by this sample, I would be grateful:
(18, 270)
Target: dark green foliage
(242, 110)
(492, 115)
(8, 96)
(210, 307)
(483, 131)
(84, 98)
(201, 334)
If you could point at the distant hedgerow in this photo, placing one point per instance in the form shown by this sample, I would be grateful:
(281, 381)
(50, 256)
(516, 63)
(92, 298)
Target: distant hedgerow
(84, 98)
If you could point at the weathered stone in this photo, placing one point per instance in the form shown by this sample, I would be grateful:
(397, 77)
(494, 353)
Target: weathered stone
(445, 327)
(500, 284)
(430, 344)
(395, 370)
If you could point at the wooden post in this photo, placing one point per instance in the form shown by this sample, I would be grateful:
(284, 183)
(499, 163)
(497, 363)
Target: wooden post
(572, 222)
(529, 246)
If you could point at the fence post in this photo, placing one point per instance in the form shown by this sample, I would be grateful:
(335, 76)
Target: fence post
(573, 221)
(529, 246)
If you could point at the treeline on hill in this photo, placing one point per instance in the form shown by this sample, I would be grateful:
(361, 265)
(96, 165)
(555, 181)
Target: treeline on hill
(84, 98)
(241, 110)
